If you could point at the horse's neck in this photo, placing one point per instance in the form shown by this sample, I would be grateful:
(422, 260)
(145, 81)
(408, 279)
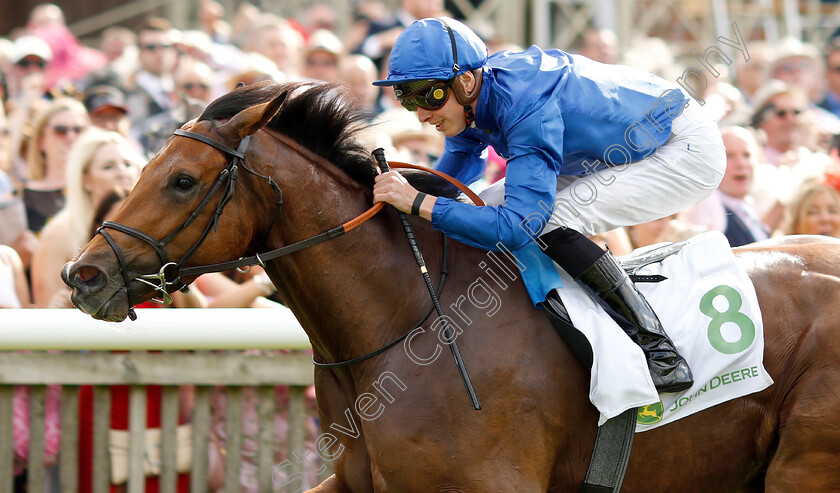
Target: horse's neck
(352, 294)
(356, 293)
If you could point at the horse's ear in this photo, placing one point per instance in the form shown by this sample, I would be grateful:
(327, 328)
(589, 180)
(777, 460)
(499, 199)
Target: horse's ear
(249, 120)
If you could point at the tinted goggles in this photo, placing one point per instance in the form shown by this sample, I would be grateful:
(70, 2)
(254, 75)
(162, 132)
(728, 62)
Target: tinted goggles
(430, 96)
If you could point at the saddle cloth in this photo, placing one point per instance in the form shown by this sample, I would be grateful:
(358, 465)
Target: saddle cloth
(708, 307)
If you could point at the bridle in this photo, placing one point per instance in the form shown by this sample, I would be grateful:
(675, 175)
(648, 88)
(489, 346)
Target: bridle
(169, 278)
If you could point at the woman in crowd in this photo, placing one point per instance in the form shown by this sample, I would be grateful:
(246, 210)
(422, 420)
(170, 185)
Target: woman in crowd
(99, 162)
(53, 133)
(814, 210)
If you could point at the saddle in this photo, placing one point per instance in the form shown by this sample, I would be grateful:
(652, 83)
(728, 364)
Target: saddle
(631, 263)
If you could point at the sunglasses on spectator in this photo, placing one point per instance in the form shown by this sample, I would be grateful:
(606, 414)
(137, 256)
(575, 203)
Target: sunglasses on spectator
(783, 112)
(321, 63)
(154, 46)
(429, 97)
(26, 63)
(189, 86)
(66, 129)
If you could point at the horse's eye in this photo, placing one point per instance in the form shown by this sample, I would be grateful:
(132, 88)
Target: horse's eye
(183, 183)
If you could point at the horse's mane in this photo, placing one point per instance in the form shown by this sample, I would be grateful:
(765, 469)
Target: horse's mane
(321, 118)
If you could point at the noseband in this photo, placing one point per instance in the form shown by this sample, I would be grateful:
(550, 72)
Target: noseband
(168, 278)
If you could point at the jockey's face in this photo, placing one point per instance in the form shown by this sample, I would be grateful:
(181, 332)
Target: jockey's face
(449, 119)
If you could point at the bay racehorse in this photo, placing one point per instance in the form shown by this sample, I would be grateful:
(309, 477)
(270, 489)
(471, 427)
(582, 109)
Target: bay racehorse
(277, 164)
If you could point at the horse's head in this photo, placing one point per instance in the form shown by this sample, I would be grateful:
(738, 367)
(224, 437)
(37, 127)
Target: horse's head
(188, 208)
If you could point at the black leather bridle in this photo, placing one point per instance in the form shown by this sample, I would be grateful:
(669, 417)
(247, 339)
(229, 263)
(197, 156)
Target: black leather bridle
(168, 278)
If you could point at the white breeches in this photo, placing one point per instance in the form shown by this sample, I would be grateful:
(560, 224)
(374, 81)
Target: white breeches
(682, 172)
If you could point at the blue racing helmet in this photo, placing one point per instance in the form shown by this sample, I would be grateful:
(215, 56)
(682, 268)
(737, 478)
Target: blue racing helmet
(434, 49)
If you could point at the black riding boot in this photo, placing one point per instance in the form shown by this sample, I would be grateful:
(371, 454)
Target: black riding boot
(600, 272)
(669, 370)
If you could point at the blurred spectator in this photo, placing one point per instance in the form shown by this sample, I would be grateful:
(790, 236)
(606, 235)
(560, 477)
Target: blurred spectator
(652, 55)
(783, 126)
(322, 56)
(8, 187)
(107, 109)
(211, 15)
(255, 68)
(414, 142)
(753, 73)
(119, 44)
(831, 102)
(45, 15)
(30, 57)
(278, 41)
(70, 59)
(14, 288)
(356, 73)
(318, 16)
(600, 45)
(814, 210)
(382, 33)
(799, 64)
(13, 231)
(195, 45)
(387, 99)
(152, 86)
(53, 133)
(364, 13)
(193, 91)
(100, 161)
(730, 209)
(778, 114)
(247, 16)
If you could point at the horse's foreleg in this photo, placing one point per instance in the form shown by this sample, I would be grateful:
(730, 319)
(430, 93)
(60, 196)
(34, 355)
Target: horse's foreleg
(330, 485)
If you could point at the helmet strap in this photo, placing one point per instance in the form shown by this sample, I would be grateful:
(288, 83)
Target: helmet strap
(470, 114)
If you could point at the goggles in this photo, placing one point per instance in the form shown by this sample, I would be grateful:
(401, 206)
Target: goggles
(431, 95)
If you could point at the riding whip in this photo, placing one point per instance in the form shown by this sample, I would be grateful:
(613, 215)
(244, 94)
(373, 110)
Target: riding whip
(379, 154)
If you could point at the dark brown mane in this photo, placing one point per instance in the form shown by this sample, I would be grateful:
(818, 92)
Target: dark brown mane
(320, 117)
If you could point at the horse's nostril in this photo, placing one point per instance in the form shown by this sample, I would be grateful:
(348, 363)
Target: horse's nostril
(86, 274)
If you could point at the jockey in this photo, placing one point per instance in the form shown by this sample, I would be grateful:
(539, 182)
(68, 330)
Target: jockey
(590, 147)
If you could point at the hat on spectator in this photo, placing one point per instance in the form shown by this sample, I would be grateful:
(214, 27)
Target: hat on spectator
(768, 91)
(100, 97)
(29, 45)
(791, 47)
(326, 41)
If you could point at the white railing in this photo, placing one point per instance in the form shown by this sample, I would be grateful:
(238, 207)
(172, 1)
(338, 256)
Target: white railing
(197, 348)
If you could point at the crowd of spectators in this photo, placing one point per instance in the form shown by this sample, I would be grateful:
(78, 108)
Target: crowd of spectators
(78, 121)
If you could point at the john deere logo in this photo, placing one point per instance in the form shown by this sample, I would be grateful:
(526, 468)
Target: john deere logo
(650, 414)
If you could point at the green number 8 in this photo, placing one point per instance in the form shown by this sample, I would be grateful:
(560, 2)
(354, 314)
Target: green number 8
(730, 315)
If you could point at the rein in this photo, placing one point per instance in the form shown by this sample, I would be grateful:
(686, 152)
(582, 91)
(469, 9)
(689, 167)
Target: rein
(168, 278)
